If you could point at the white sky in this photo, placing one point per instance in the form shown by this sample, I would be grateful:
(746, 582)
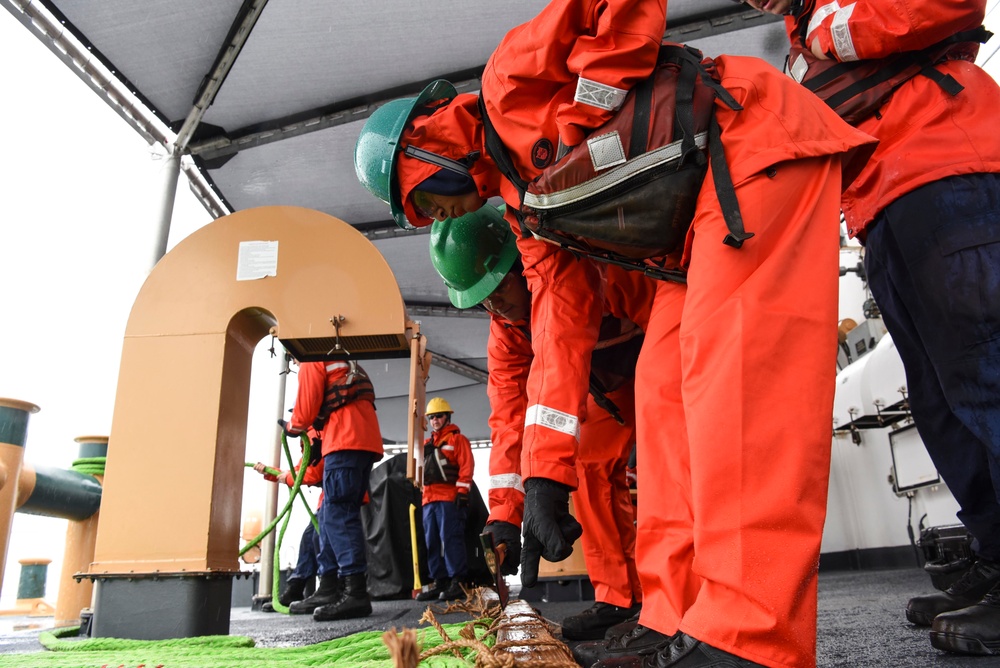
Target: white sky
(77, 217)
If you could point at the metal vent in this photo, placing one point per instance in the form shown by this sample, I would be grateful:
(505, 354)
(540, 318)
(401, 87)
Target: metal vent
(359, 347)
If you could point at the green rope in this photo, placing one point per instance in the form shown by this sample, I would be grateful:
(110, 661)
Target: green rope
(285, 515)
(90, 465)
(360, 650)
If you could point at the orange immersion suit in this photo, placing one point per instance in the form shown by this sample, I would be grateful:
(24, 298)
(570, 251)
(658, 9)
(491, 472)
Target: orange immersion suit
(353, 426)
(734, 478)
(602, 501)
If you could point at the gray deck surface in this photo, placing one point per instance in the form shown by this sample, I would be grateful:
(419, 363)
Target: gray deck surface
(861, 623)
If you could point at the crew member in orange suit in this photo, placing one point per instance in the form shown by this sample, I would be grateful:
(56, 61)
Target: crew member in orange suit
(307, 562)
(338, 398)
(448, 470)
(727, 563)
(477, 258)
(926, 206)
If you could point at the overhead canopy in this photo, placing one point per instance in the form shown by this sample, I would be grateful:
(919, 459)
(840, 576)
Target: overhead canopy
(268, 99)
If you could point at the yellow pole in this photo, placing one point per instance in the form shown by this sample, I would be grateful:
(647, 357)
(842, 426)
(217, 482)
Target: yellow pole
(417, 584)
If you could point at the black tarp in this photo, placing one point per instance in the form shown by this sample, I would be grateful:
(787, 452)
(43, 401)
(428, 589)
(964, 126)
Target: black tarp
(387, 528)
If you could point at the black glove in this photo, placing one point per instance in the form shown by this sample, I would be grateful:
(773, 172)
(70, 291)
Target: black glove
(315, 451)
(549, 530)
(290, 431)
(462, 499)
(507, 533)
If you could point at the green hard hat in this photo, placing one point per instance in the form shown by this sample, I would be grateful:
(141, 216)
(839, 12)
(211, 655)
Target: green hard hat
(473, 254)
(377, 150)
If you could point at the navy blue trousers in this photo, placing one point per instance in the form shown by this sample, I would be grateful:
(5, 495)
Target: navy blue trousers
(933, 264)
(307, 565)
(343, 548)
(444, 535)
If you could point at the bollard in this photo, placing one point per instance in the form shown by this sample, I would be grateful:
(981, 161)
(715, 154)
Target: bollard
(13, 434)
(81, 537)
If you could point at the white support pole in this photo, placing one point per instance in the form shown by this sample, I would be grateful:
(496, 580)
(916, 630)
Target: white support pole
(171, 171)
(267, 555)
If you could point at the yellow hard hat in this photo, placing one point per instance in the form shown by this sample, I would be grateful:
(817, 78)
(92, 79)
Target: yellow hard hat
(438, 405)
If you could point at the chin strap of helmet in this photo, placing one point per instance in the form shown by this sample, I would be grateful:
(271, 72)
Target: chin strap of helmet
(458, 166)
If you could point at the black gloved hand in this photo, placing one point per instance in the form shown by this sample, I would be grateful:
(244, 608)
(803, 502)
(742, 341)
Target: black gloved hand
(549, 530)
(462, 499)
(290, 431)
(510, 535)
(315, 451)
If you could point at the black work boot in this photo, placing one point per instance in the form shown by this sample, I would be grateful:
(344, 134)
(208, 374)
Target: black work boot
(682, 651)
(435, 590)
(453, 592)
(295, 590)
(353, 601)
(594, 622)
(635, 641)
(967, 590)
(330, 587)
(971, 630)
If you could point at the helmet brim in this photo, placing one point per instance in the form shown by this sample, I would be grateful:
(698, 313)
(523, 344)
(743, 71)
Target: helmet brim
(440, 89)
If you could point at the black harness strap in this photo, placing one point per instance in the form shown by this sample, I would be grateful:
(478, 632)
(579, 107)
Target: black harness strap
(902, 63)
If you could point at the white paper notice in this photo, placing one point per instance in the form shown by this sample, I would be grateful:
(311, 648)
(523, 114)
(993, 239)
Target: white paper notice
(257, 259)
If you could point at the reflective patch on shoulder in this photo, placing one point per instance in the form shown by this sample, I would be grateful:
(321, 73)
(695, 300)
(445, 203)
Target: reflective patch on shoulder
(798, 68)
(544, 416)
(606, 151)
(506, 481)
(447, 447)
(599, 95)
(843, 43)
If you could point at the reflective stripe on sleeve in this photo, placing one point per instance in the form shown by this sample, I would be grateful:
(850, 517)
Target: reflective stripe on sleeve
(336, 365)
(463, 484)
(599, 95)
(821, 13)
(544, 416)
(506, 481)
(843, 43)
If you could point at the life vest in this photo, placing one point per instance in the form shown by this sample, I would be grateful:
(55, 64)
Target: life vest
(627, 193)
(438, 469)
(354, 386)
(857, 89)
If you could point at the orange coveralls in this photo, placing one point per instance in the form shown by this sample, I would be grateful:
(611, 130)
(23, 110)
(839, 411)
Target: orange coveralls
(602, 501)
(457, 449)
(963, 127)
(732, 508)
(353, 426)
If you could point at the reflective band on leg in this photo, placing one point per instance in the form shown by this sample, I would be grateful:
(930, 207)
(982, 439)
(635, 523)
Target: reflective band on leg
(544, 416)
(506, 481)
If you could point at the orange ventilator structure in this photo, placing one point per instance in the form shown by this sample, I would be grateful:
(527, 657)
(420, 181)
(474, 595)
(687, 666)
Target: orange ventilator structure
(170, 532)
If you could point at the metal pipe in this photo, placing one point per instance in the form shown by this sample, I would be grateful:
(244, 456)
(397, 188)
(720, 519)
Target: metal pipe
(81, 537)
(268, 556)
(171, 170)
(13, 434)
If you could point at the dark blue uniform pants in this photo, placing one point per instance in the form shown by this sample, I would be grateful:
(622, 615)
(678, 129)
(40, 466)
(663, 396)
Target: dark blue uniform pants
(342, 538)
(307, 565)
(444, 535)
(933, 264)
